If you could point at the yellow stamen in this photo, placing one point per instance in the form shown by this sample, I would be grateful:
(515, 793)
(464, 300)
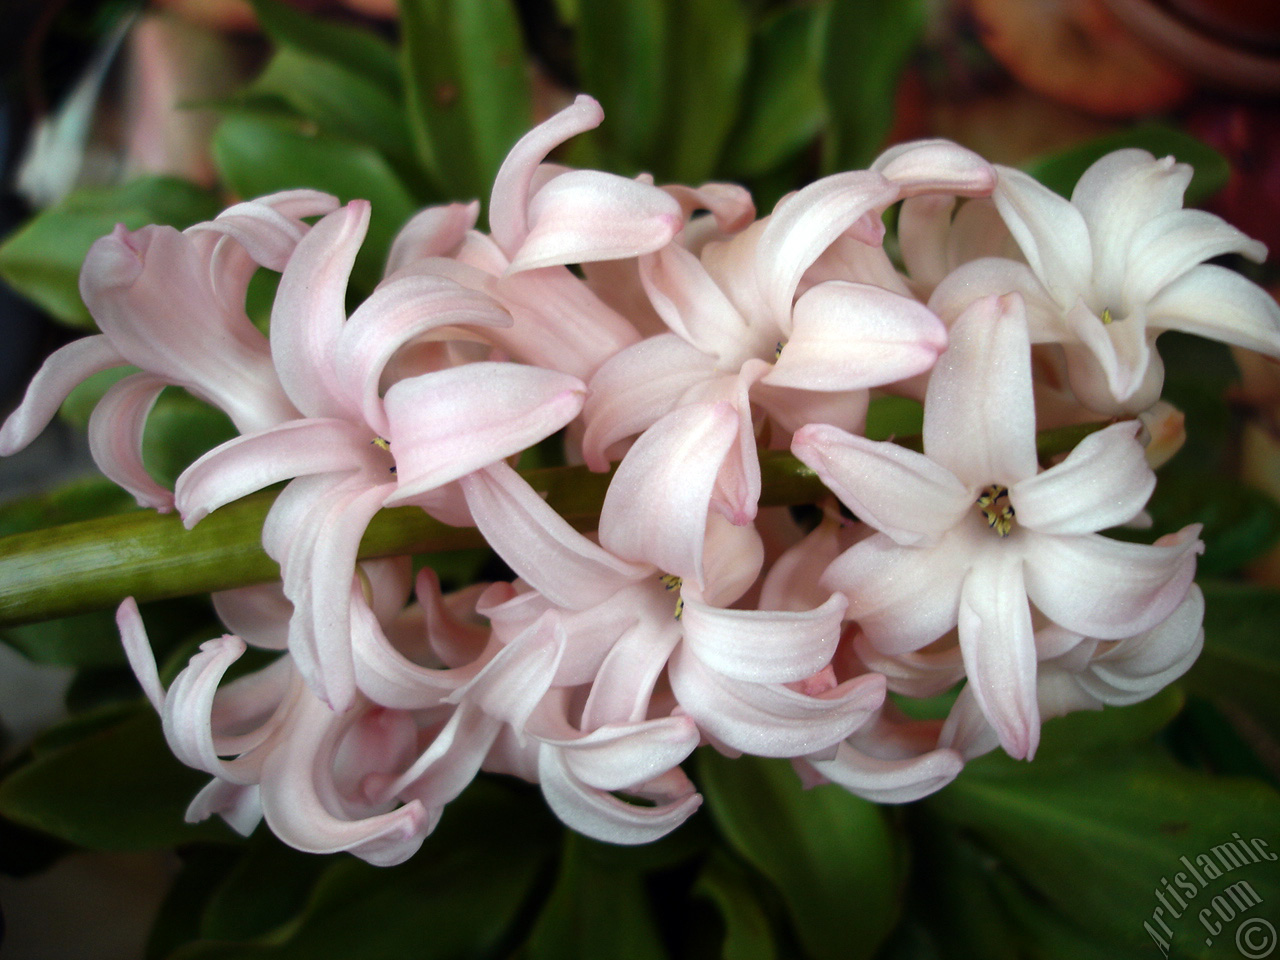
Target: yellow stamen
(672, 582)
(996, 508)
(777, 351)
(1106, 316)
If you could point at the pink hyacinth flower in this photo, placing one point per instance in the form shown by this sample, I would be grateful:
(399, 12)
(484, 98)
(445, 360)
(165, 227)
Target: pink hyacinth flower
(172, 304)
(971, 532)
(359, 446)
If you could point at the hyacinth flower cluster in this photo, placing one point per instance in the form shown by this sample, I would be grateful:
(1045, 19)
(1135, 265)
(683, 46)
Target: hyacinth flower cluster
(670, 334)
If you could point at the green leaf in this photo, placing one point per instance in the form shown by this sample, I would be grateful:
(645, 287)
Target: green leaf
(119, 788)
(1060, 171)
(621, 46)
(258, 156)
(1240, 665)
(747, 932)
(594, 911)
(340, 101)
(267, 888)
(459, 896)
(468, 90)
(42, 259)
(706, 46)
(820, 848)
(204, 867)
(180, 429)
(1240, 522)
(1094, 840)
(356, 50)
(866, 47)
(782, 104)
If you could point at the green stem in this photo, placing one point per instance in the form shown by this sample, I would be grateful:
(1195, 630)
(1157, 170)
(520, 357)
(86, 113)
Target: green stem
(94, 564)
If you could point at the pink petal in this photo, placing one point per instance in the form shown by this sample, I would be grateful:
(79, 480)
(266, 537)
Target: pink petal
(691, 303)
(1106, 588)
(1000, 652)
(898, 491)
(559, 323)
(188, 707)
(588, 215)
(317, 579)
(239, 806)
(268, 228)
(115, 438)
(137, 649)
(298, 814)
(624, 684)
(770, 720)
(398, 311)
(1167, 247)
(258, 614)
(730, 204)
(540, 546)
(509, 202)
(245, 464)
(936, 166)
(637, 387)
(979, 419)
(433, 232)
(66, 368)
(804, 224)
(890, 781)
(1219, 304)
(310, 310)
(450, 422)
(1051, 232)
(902, 597)
(656, 508)
(764, 646)
(598, 814)
(850, 336)
(1102, 483)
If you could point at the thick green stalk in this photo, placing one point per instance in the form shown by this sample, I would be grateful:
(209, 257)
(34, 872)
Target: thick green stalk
(94, 564)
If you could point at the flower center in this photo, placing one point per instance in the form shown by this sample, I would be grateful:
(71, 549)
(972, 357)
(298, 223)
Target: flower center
(994, 504)
(1107, 318)
(672, 582)
(383, 444)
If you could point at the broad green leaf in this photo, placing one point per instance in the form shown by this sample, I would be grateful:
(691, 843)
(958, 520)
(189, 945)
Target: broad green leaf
(1212, 737)
(621, 46)
(118, 788)
(1240, 665)
(1060, 171)
(266, 888)
(594, 911)
(706, 48)
(468, 88)
(1094, 840)
(1240, 522)
(204, 867)
(340, 102)
(258, 156)
(866, 46)
(42, 259)
(782, 104)
(747, 932)
(829, 854)
(459, 896)
(362, 53)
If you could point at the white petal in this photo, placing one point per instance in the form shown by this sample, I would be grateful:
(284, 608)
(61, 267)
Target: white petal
(1051, 233)
(1102, 483)
(890, 781)
(979, 418)
(1105, 588)
(1000, 652)
(902, 493)
(764, 646)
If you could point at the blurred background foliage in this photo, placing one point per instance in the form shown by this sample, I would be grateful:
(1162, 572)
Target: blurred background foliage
(115, 112)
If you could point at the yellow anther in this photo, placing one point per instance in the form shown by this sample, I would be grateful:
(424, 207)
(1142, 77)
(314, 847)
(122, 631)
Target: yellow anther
(672, 582)
(383, 444)
(1106, 316)
(996, 508)
(777, 351)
